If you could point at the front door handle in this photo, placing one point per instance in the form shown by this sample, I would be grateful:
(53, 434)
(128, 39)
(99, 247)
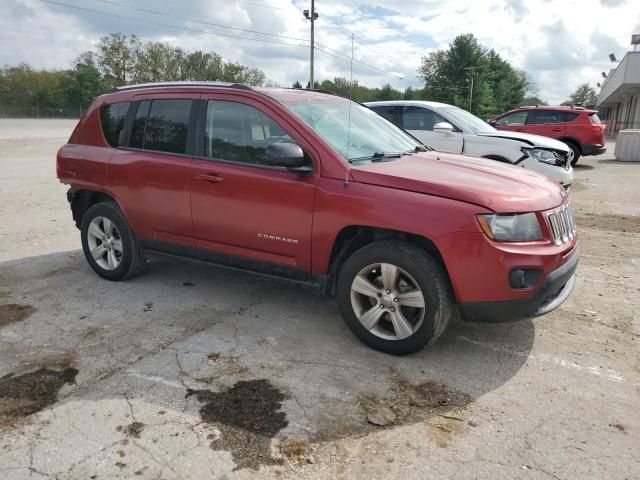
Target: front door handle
(209, 177)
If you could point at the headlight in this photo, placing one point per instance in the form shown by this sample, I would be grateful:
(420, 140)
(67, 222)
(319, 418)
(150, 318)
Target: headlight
(522, 227)
(544, 156)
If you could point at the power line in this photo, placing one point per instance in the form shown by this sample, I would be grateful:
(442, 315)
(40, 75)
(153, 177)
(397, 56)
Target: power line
(165, 14)
(260, 40)
(370, 47)
(339, 55)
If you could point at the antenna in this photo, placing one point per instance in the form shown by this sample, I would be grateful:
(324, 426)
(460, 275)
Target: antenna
(350, 101)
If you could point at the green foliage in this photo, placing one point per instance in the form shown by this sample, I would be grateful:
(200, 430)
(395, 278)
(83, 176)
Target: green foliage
(584, 96)
(340, 86)
(118, 60)
(497, 86)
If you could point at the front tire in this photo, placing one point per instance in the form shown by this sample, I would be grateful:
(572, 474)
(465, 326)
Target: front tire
(109, 245)
(394, 297)
(575, 151)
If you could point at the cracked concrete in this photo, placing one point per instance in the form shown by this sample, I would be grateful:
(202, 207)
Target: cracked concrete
(547, 396)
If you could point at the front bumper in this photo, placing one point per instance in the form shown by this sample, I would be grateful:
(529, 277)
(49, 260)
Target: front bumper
(555, 289)
(592, 149)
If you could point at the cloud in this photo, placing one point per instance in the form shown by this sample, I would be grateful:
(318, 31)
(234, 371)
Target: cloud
(559, 44)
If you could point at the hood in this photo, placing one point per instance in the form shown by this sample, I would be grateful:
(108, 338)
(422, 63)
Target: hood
(494, 185)
(529, 139)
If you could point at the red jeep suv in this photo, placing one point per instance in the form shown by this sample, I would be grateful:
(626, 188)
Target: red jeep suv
(320, 190)
(579, 128)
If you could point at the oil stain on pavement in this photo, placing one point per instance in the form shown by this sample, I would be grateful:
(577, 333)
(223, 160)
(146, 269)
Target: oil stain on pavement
(248, 417)
(13, 312)
(26, 394)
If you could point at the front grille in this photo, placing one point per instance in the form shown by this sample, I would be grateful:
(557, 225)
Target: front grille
(562, 159)
(563, 225)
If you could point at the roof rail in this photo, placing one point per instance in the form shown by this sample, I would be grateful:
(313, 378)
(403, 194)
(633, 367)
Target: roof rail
(179, 84)
(319, 90)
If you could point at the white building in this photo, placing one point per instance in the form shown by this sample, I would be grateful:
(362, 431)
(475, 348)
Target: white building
(619, 98)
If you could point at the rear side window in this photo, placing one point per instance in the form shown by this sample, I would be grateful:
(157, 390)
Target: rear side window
(112, 119)
(595, 119)
(162, 125)
(540, 117)
(417, 118)
(240, 133)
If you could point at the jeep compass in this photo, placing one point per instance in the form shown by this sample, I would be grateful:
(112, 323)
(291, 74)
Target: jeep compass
(319, 190)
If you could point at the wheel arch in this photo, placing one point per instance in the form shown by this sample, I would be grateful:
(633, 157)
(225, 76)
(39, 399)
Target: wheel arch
(83, 199)
(573, 141)
(353, 237)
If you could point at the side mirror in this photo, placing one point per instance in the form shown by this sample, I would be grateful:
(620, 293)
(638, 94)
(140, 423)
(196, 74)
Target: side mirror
(491, 122)
(288, 155)
(443, 127)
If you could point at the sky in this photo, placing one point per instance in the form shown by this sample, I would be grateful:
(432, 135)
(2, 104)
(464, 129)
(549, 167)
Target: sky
(559, 43)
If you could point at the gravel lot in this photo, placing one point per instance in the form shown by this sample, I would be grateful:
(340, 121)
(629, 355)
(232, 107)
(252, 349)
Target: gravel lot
(190, 371)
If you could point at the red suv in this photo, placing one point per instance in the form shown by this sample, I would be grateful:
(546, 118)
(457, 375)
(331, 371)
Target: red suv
(579, 128)
(316, 189)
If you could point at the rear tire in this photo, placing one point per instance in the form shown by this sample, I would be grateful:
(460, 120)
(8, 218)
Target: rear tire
(394, 297)
(575, 150)
(108, 243)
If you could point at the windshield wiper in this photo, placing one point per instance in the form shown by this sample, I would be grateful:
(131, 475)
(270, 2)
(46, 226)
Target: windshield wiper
(377, 156)
(419, 148)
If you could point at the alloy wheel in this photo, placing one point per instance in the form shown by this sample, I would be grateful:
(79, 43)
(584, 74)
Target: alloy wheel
(387, 301)
(104, 243)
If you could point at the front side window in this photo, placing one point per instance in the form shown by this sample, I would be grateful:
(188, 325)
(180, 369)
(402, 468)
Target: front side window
(161, 125)
(240, 133)
(518, 118)
(417, 118)
(353, 131)
(112, 118)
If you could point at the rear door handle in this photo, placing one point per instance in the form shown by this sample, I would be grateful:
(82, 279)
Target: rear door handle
(209, 177)
(556, 129)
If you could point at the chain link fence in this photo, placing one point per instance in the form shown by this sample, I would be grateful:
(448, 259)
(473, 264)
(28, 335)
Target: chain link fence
(40, 112)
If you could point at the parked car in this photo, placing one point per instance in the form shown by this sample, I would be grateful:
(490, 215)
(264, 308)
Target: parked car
(578, 128)
(316, 189)
(451, 129)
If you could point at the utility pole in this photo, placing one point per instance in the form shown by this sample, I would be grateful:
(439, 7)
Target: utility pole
(311, 16)
(472, 72)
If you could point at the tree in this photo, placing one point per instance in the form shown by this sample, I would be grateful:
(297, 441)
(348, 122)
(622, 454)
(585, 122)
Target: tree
(296, 84)
(585, 96)
(497, 86)
(534, 101)
(118, 58)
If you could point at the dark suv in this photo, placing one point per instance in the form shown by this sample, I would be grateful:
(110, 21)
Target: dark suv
(579, 128)
(322, 191)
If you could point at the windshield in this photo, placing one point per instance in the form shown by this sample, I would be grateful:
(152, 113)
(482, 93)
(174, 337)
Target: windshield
(371, 136)
(467, 121)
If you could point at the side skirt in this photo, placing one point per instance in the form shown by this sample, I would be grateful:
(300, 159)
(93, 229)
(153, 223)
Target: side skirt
(319, 284)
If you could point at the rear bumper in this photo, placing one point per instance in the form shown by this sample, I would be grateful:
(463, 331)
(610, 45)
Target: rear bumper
(592, 149)
(555, 289)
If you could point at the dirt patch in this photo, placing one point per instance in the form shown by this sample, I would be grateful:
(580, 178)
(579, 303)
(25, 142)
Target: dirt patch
(407, 402)
(24, 395)
(610, 222)
(296, 450)
(248, 418)
(13, 312)
(134, 429)
(441, 429)
(224, 366)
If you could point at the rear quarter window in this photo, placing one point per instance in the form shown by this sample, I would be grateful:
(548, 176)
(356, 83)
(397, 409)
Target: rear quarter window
(595, 119)
(112, 119)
